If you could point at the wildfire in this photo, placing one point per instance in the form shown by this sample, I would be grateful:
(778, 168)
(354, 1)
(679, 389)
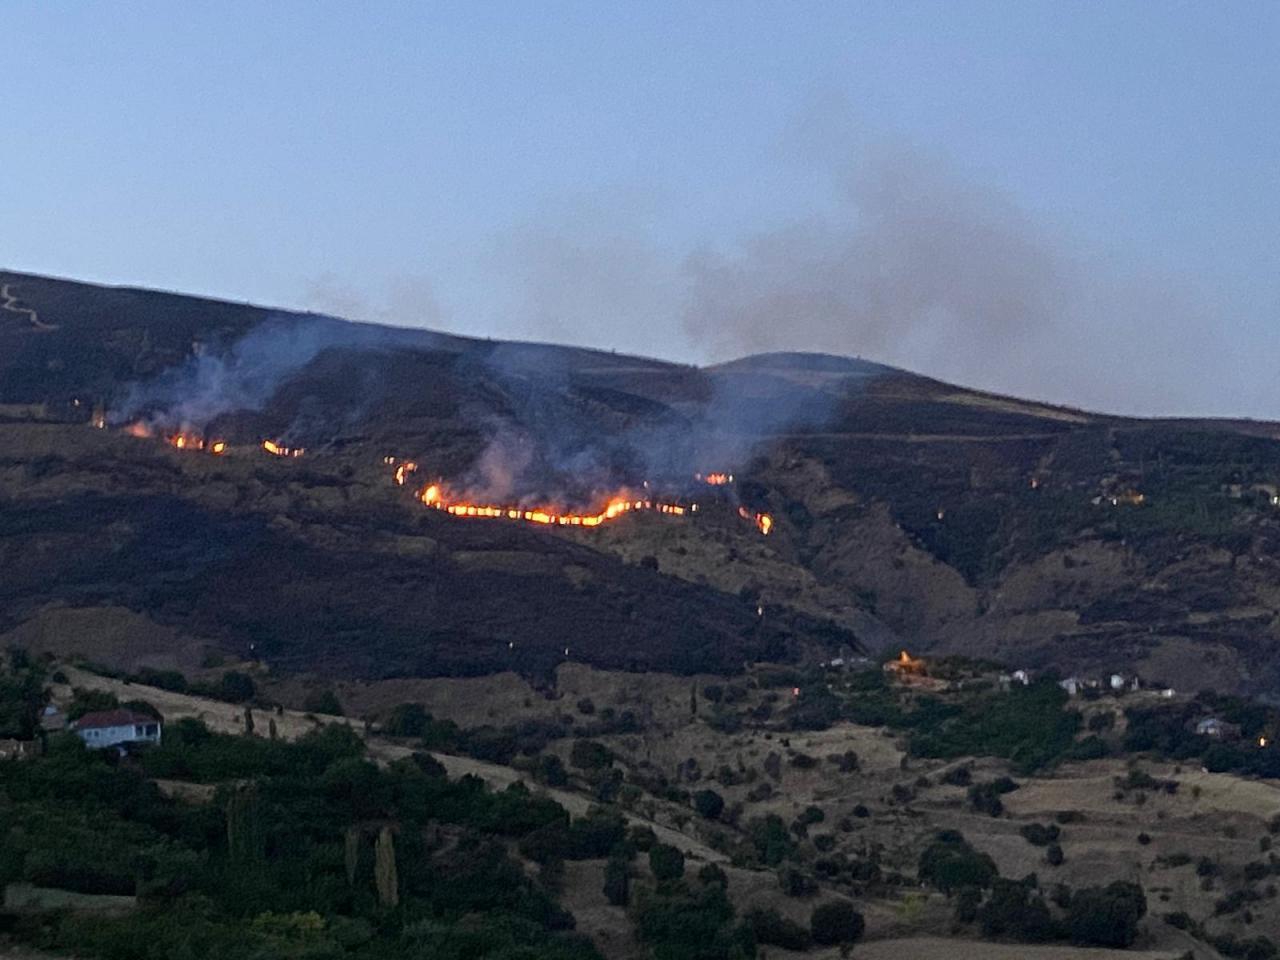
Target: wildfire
(403, 471)
(763, 521)
(715, 479)
(279, 450)
(191, 441)
(432, 496)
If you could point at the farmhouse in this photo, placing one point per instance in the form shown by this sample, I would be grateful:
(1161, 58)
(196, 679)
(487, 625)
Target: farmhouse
(1219, 729)
(112, 728)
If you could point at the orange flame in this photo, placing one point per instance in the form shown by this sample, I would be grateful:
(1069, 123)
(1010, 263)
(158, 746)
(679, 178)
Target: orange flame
(403, 471)
(432, 496)
(715, 479)
(763, 522)
(279, 450)
(192, 441)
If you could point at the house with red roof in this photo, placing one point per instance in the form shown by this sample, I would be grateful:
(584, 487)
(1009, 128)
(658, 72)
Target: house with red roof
(113, 728)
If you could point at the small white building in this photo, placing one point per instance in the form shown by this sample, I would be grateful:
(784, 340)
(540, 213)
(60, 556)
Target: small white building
(1073, 686)
(1022, 677)
(113, 728)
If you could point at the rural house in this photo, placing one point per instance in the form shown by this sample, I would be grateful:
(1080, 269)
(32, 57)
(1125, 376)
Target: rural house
(1219, 729)
(112, 728)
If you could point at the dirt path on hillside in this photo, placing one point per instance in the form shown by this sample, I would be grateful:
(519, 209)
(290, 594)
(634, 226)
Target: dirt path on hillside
(10, 304)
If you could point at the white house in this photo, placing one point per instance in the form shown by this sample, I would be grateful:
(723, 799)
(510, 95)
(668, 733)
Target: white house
(111, 728)
(1022, 677)
(1073, 685)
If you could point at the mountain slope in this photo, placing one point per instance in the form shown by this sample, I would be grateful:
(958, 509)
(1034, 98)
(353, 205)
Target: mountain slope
(905, 510)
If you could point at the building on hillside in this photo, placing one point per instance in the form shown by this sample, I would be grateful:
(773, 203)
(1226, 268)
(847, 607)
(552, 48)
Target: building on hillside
(1022, 676)
(116, 728)
(52, 719)
(1073, 686)
(1218, 729)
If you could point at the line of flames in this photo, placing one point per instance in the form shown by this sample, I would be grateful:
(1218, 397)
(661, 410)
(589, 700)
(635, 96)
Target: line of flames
(193, 441)
(280, 450)
(434, 497)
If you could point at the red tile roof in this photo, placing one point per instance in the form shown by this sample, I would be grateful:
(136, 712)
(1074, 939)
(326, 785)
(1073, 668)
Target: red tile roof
(112, 718)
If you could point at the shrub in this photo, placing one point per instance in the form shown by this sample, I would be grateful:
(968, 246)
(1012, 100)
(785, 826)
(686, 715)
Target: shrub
(958, 776)
(950, 864)
(1012, 911)
(1054, 855)
(708, 803)
(322, 701)
(835, 922)
(666, 862)
(796, 883)
(1106, 916)
(236, 687)
(596, 834)
(773, 929)
(590, 755)
(1038, 835)
(407, 720)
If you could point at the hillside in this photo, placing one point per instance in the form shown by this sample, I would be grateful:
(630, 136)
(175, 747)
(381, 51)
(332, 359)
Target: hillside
(904, 511)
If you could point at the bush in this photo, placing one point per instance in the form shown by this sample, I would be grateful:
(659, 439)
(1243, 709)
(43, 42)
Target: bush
(323, 701)
(1038, 835)
(950, 864)
(796, 883)
(596, 834)
(236, 687)
(773, 929)
(835, 922)
(550, 770)
(1012, 911)
(590, 755)
(1106, 916)
(708, 803)
(1054, 855)
(407, 720)
(666, 862)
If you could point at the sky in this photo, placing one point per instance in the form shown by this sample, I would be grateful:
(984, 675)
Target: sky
(1075, 202)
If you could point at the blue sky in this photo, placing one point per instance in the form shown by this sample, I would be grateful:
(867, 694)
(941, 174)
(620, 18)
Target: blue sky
(1071, 201)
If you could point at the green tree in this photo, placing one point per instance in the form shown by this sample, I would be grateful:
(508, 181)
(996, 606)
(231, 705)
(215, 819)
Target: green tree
(708, 803)
(666, 862)
(1106, 916)
(835, 922)
(236, 687)
(950, 864)
(323, 701)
